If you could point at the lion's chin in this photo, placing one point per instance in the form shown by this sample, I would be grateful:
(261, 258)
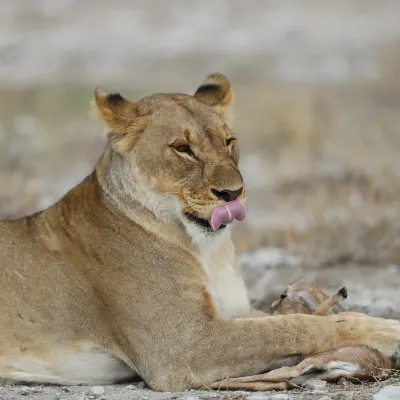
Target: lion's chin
(204, 223)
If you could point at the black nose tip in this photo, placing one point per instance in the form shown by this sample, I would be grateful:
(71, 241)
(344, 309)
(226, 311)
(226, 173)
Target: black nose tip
(227, 195)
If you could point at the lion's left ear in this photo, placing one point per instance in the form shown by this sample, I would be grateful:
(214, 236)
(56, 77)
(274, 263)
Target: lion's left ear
(216, 92)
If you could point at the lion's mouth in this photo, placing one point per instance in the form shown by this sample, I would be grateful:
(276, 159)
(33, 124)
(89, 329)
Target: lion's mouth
(202, 222)
(222, 215)
(226, 213)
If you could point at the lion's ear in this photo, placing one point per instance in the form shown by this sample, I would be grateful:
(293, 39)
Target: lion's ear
(121, 116)
(216, 92)
(112, 107)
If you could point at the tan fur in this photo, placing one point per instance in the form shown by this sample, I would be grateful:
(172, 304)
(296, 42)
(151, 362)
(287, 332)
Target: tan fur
(116, 279)
(328, 305)
(302, 297)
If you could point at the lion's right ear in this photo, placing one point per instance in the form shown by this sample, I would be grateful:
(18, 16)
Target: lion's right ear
(112, 107)
(121, 115)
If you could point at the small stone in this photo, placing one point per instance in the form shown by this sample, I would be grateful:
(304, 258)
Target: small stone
(315, 384)
(340, 396)
(97, 390)
(25, 390)
(325, 398)
(280, 396)
(190, 397)
(258, 397)
(388, 393)
(140, 385)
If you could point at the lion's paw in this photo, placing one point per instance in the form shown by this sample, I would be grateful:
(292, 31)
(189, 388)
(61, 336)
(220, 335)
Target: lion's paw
(378, 333)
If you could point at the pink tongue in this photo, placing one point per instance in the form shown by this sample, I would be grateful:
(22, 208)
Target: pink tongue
(226, 213)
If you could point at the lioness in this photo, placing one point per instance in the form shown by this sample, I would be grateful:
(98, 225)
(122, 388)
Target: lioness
(133, 271)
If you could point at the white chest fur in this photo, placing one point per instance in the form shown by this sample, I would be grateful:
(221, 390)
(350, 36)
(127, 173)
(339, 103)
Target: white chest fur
(224, 282)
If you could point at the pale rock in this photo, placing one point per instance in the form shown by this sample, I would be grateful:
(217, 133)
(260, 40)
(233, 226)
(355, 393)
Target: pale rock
(97, 390)
(388, 393)
(281, 396)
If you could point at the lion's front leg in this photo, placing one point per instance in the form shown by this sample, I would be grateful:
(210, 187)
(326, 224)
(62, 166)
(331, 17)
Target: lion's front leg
(359, 362)
(229, 348)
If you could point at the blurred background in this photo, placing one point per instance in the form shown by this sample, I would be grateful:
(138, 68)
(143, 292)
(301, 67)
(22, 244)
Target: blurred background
(317, 113)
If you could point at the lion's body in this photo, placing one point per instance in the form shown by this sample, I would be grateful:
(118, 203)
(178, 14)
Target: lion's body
(61, 315)
(114, 281)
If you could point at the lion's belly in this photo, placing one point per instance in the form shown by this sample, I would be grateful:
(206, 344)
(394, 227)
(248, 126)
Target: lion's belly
(78, 363)
(223, 280)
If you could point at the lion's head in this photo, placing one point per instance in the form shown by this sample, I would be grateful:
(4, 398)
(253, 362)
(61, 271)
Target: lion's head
(175, 154)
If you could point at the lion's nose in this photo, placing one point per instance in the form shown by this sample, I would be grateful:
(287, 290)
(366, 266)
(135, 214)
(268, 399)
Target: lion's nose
(227, 195)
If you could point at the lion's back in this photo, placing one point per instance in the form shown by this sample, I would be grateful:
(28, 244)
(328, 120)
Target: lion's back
(13, 234)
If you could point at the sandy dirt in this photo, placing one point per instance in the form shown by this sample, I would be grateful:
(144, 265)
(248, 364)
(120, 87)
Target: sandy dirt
(316, 391)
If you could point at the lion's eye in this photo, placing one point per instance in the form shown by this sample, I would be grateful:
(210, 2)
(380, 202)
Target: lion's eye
(184, 148)
(229, 141)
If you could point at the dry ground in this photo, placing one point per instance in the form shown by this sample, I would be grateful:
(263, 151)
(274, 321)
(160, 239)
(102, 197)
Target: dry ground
(341, 391)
